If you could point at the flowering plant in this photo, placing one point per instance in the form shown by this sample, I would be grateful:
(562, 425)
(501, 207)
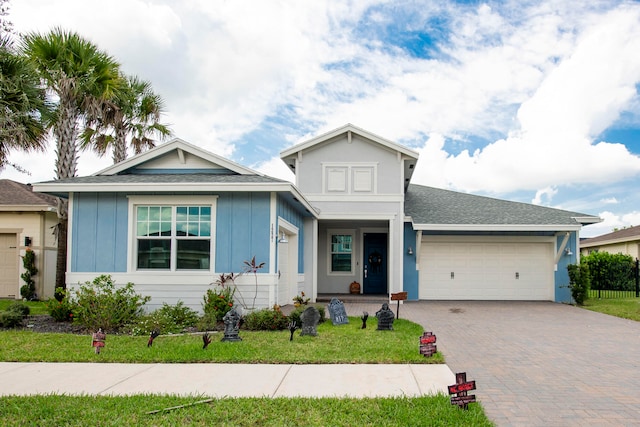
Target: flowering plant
(61, 311)
(299, 300)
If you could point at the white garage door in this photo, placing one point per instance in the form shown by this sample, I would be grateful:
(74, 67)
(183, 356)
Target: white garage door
(486, 270)
(9, 262)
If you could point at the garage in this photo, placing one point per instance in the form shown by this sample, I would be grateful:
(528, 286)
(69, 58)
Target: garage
(9, 263)
(486, 268)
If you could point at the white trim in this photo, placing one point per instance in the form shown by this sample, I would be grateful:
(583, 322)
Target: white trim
(496, 227)
(358, 216)
(70, 220)
(287, 187)
(273, 241)
(355, 197)
(346, 232)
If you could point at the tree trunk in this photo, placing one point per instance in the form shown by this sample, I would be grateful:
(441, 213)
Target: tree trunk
(66, 149)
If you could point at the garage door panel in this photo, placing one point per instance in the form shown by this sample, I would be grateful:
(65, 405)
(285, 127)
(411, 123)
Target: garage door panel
(491, 271)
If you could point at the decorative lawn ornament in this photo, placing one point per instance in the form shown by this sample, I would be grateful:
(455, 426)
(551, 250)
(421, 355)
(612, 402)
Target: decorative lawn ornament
(428, 344)
(364, 318)
(232, 325)
(460, 389)
(292, 328)
(310, 318)
(385, 318)
(337, 312)
(152, 336)
(206, 340)
(98, 339)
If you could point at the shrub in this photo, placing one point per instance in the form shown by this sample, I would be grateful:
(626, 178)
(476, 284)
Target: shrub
(10, 318)
(579, 279)
(216, 303)
(28, 290)
(266, 320)
(169, 319)
(61, 310)
(610, 271)
(99, 304)
(294, 316)
(19, 307)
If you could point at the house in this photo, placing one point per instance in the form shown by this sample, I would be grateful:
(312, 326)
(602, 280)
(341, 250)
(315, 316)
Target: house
(625, 241)
(174, 218)
(27, 219)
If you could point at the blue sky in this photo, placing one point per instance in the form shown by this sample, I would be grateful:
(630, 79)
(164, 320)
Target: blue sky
(534, 101)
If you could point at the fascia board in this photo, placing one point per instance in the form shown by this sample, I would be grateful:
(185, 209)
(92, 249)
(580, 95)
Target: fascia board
(175, 187)
(588, 219)
(27, 208)
(496, 227)
(630, 239)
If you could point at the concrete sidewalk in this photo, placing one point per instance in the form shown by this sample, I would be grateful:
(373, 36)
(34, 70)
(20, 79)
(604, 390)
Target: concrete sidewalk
(224, 380)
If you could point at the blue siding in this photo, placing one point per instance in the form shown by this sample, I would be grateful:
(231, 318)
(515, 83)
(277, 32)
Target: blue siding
(563, 293)
(99, 234)
(242, 230)
(287, 212)
(409, 272)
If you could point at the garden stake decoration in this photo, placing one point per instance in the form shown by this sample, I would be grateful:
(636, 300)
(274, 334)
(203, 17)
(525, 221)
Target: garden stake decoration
(97, 340)
(154, 335)
(206, 340)
(292, 328)
(364, 318)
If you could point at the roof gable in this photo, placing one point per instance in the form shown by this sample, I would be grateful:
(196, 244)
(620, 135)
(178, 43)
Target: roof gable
(436, 209)
(176, 156)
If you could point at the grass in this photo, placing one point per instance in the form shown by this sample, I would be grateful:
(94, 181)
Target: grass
(627, 308)
(334, 344)
(35, 307)
(55, 410)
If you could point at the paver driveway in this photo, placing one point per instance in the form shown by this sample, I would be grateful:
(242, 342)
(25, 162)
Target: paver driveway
(537, 363)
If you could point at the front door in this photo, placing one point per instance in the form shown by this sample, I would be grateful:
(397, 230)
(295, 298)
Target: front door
(375, 264)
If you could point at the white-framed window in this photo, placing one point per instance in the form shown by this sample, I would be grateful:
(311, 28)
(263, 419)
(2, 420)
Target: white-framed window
(340, 256)
(172, 236)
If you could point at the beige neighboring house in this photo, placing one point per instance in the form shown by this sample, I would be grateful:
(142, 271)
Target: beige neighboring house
(625, 241)
(26, 220)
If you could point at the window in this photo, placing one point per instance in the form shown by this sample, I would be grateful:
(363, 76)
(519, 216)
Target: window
(341, 253)
(173, 237)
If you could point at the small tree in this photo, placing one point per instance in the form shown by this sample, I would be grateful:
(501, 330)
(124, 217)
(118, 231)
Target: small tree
(579, 281)
(28, 290)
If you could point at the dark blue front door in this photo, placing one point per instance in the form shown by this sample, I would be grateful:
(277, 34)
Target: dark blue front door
(375, 264)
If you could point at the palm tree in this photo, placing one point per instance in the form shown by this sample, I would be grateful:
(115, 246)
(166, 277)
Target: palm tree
(130, 119)
(81, 77)
(22, 104)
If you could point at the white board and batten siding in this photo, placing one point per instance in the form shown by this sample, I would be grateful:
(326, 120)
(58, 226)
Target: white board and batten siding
(500, 268)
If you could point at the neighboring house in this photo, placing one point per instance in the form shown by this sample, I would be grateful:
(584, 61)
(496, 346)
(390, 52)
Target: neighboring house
(174, 218)
(625, 241)
(27, 219)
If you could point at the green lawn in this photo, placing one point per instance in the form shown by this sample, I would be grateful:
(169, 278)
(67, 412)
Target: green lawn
(56, 410)
(627, 308)
(36, 307)
(334, 344)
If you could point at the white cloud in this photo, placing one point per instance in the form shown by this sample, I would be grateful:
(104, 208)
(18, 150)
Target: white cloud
(609, 201)
(546, 193)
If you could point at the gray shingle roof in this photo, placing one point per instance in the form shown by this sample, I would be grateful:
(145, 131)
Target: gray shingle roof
(626, 234)
(428, 205)
(14, 193)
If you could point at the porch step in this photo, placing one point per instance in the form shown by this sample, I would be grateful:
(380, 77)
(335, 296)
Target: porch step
(354, 298)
